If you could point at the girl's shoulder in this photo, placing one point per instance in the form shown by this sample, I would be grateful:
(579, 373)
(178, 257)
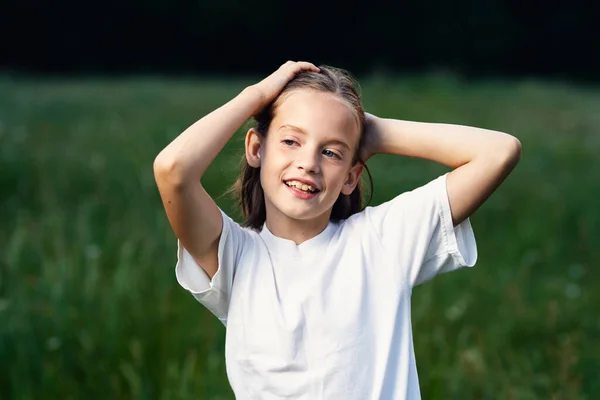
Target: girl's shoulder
(407, 207)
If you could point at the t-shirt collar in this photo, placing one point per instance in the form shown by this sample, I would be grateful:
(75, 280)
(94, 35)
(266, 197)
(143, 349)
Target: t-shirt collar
(312, 245)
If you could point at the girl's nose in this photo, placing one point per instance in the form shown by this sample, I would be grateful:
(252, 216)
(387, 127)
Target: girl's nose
(308, 161)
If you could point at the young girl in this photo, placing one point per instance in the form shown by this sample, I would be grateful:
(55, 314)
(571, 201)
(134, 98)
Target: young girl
(313, 289)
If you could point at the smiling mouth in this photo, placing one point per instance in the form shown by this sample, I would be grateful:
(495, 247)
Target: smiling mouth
(301, 186)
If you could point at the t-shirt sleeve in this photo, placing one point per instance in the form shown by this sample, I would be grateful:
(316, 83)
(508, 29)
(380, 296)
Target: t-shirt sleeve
(213, 293)
(416, 230)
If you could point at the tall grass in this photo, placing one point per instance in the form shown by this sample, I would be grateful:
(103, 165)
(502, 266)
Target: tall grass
(89, 306)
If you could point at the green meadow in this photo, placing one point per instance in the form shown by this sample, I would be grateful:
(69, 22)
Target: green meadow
(89, 305)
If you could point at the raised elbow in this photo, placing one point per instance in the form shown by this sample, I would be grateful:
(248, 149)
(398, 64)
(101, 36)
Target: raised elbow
(514, 150)
(168, 170)
(508, 153)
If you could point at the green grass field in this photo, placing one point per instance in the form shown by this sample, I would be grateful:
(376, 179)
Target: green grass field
(89, 305)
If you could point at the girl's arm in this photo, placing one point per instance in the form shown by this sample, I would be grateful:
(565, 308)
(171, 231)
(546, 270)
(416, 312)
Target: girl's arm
(481, 159)
(178, 168)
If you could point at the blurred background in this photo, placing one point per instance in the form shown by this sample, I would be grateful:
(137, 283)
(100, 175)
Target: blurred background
(91, 92)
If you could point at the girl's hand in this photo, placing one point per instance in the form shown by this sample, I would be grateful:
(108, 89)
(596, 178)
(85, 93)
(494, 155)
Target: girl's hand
(272, 85)
(373, 139)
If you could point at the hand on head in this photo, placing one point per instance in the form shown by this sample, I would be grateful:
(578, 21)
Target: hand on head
(270, 87)
(371, 138)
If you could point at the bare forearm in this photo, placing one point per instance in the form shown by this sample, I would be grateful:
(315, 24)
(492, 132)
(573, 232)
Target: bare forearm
(189, 154)
(447, 144)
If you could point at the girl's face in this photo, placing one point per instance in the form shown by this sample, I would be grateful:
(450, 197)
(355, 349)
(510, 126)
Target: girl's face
(306, 157)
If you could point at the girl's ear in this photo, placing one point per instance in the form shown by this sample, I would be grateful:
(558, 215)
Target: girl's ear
(253, 147)
(352, 178)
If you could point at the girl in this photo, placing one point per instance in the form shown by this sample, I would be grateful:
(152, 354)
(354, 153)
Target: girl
(315, 290)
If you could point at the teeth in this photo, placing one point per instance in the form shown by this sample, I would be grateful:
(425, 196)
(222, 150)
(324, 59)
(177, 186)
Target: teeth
(301, 186)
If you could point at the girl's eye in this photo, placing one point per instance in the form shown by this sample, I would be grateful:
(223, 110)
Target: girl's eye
(288, 142)
(330, 154)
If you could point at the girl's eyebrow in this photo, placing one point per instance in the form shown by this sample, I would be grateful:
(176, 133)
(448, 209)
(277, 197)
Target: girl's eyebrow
(302, 131)
(292, 127)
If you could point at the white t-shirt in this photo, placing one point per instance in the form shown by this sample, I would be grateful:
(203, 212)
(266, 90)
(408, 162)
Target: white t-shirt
(330, 318)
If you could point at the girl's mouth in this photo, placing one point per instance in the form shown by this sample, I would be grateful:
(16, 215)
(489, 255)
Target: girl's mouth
(301, 186)
(301, 190)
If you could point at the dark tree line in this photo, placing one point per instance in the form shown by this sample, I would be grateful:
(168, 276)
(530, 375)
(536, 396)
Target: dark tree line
(473, 37)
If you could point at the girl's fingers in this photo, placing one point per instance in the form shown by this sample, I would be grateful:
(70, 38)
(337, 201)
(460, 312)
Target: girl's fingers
(274, 83)
(297, 66)
(307, 65)
(301, 66)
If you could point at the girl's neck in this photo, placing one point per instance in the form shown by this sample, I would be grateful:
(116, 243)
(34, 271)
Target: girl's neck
(296, 230)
